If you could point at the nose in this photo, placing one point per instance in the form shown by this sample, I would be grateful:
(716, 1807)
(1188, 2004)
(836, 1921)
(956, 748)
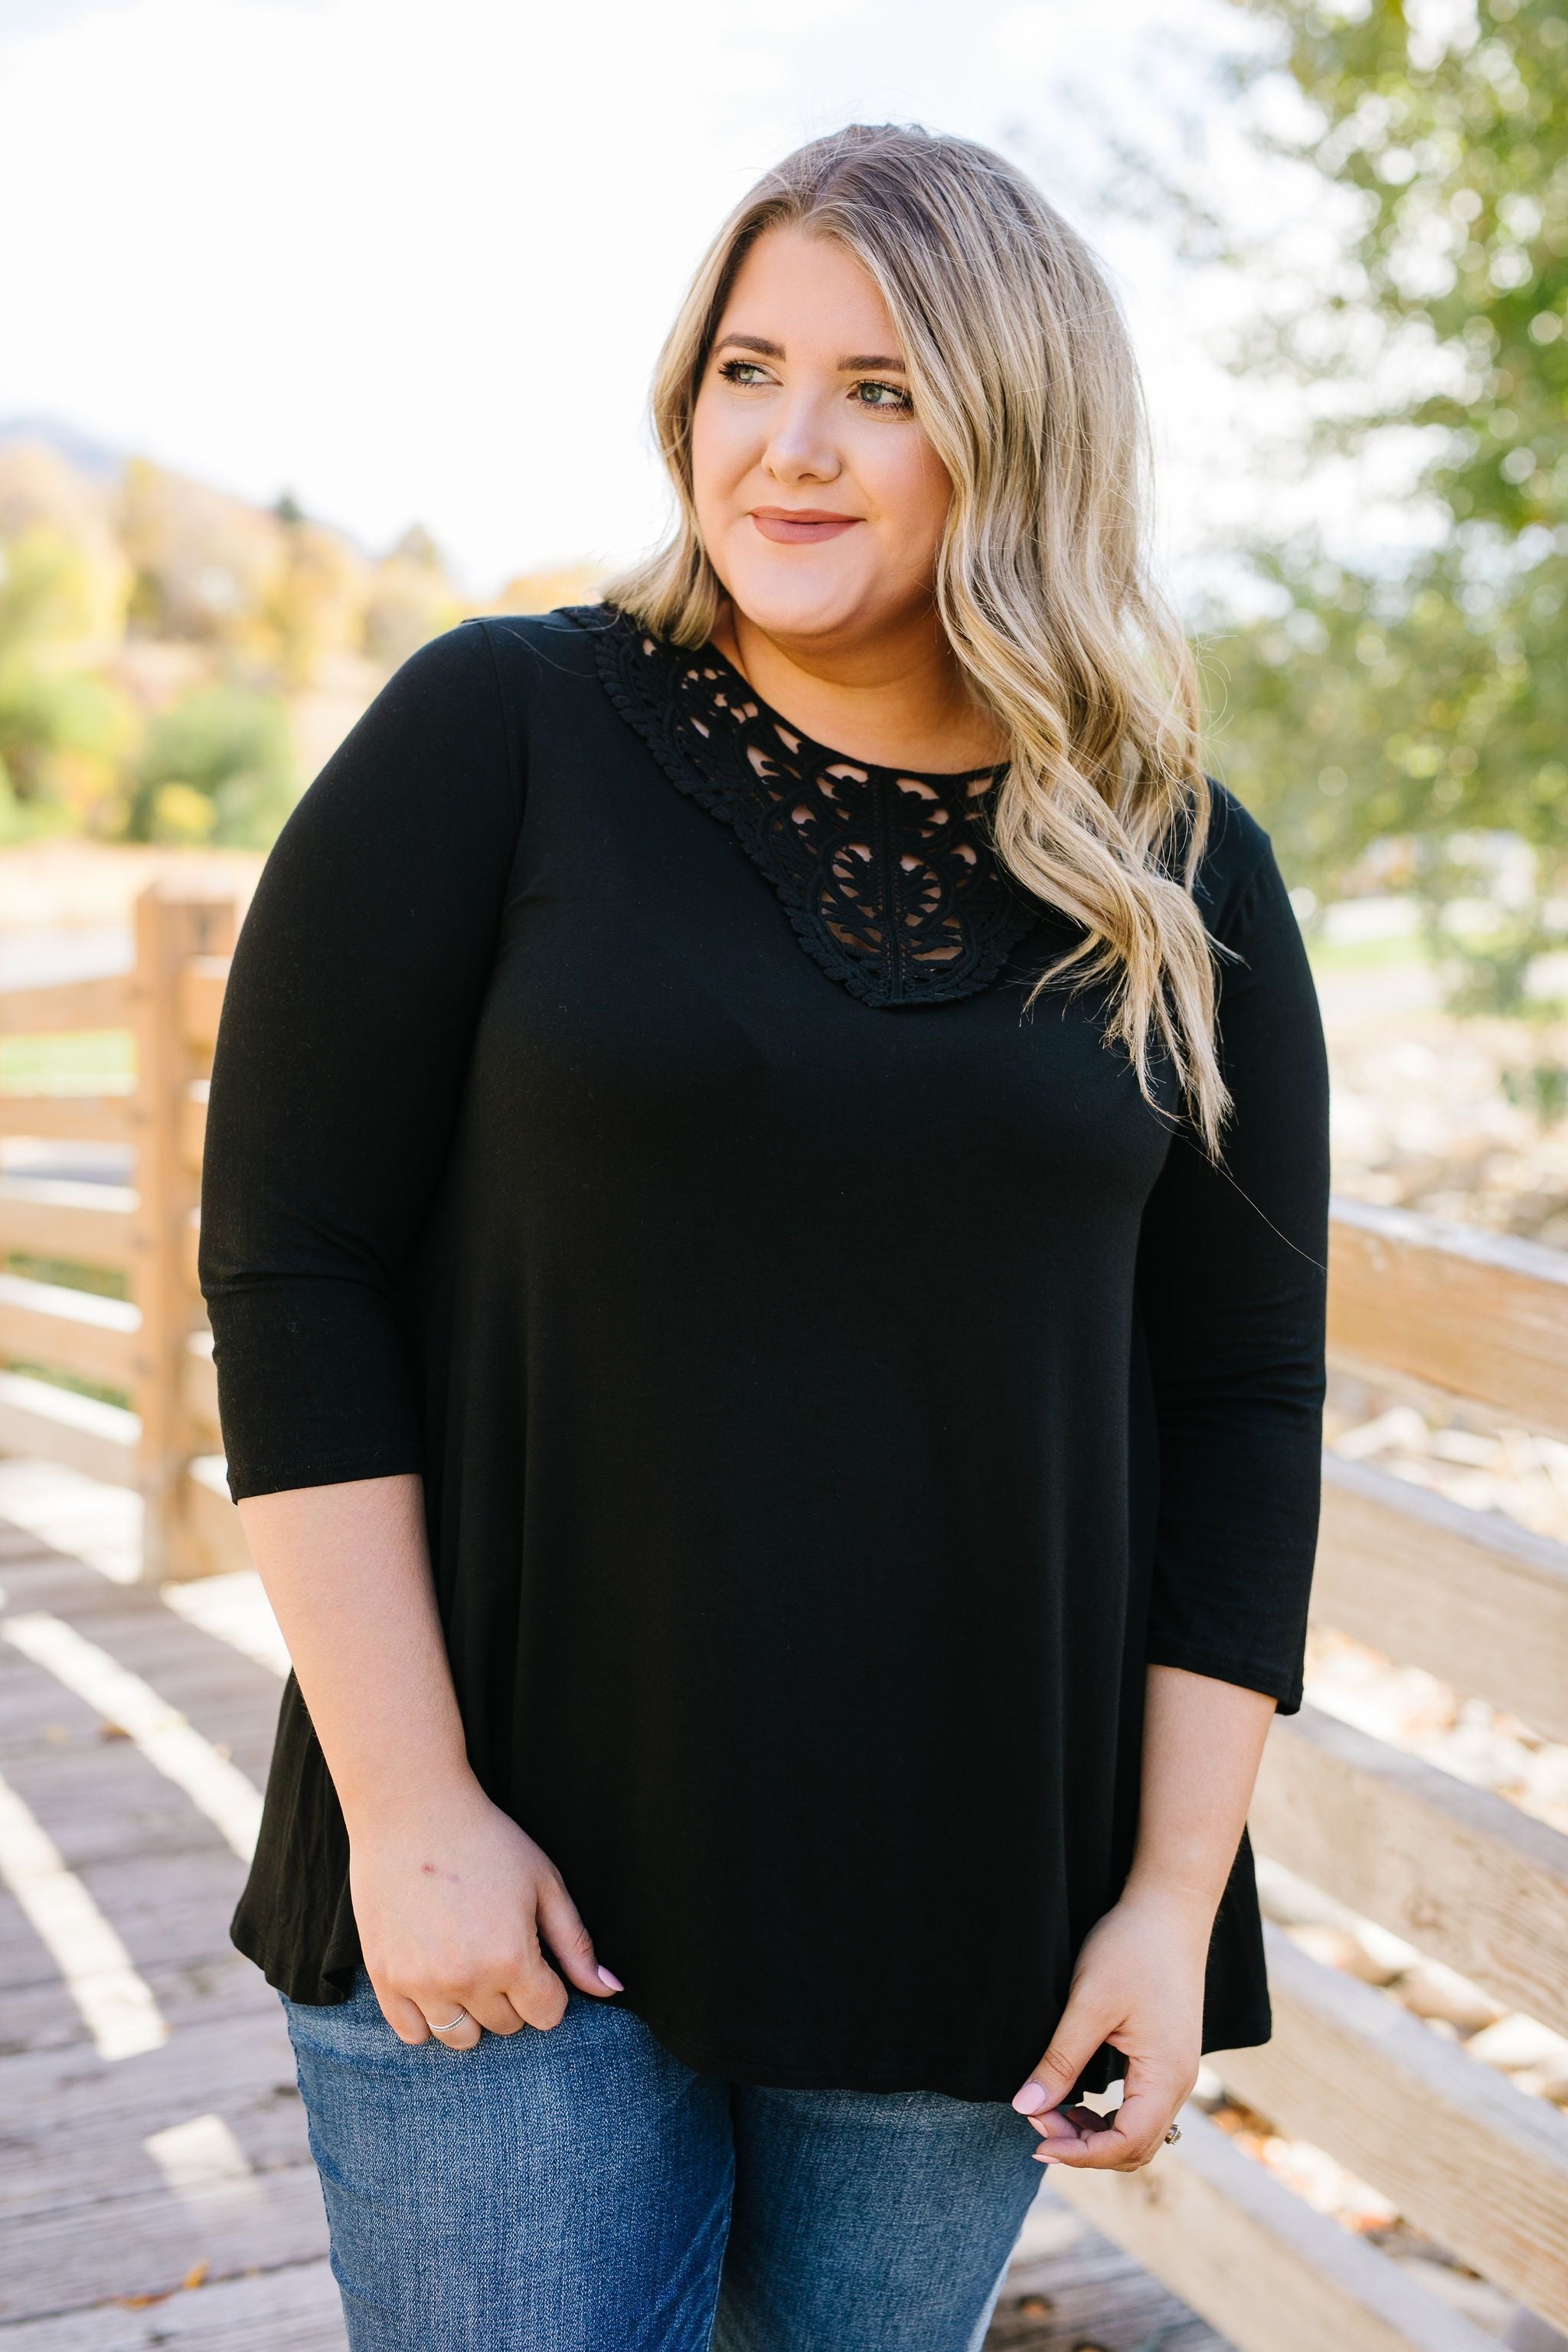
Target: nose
(801, 445)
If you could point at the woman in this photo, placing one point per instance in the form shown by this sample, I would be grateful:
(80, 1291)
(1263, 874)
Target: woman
(764, 1221)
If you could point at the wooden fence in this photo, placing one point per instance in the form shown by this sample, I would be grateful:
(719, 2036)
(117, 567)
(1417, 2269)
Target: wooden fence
(155, 1346)
(1466, 1877)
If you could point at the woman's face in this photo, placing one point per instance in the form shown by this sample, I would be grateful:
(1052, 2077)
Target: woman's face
(819, 498)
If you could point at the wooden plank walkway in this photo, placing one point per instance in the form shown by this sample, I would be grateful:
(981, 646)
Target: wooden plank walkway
(155, 2185)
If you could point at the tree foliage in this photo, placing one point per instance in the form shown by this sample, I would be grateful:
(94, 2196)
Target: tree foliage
(1456, 142)
(164, 646)
(1428, 710)
(216, 766)
(64, 729)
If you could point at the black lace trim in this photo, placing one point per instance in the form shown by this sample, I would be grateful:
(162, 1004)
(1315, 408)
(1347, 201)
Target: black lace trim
(889, 876)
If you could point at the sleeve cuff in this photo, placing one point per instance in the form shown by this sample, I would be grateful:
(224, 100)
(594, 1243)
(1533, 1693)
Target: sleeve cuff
(319, 1470)
(316, 1385)
(1282, 1684)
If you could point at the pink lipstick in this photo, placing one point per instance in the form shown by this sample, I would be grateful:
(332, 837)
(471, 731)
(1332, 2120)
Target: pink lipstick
(800, 525)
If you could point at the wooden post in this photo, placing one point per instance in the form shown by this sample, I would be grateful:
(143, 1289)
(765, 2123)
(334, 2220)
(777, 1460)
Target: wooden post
(175, 919)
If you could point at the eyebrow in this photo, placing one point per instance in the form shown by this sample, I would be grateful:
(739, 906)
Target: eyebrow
(853, 364)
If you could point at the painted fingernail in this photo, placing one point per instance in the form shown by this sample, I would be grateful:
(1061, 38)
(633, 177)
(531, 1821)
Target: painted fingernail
(1030, 2099)
(608, 1978)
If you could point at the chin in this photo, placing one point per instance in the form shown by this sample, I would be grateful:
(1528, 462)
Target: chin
(802, 600)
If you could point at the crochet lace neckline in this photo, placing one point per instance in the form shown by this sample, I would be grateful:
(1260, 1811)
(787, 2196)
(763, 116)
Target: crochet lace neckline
(889, 875)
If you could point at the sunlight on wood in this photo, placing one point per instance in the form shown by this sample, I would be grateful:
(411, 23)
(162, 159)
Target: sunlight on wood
(117, 2008)
(202, 2162)
(84, 1518)
(171, 1745)
(233, 1608)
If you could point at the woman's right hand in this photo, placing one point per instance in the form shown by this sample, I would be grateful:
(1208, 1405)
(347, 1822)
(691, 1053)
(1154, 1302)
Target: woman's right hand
(453, 1909)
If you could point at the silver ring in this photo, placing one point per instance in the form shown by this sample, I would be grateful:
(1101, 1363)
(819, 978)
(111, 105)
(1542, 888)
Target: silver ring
(457, 2020)
(1174, 2132)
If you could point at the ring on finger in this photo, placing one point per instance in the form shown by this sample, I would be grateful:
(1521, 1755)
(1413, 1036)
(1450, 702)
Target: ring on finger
(1174, 2132)
(461, 2019)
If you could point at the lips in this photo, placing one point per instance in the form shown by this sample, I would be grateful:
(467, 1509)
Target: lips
(800, 526)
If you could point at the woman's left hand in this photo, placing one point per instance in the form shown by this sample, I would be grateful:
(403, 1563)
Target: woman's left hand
(1139, 1985)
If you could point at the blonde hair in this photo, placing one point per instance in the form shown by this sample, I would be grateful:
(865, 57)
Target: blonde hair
(1026, 381)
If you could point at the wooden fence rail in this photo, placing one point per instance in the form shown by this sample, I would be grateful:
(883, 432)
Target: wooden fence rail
(143, 1232)
(1458, 1873)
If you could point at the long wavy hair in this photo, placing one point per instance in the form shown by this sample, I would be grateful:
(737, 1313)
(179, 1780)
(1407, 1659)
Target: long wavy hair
(1024, 379)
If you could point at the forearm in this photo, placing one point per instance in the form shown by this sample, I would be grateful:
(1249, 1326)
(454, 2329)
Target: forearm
(451, 1898)
(347, 1570)
(1139, 1982)
(1202, 1742)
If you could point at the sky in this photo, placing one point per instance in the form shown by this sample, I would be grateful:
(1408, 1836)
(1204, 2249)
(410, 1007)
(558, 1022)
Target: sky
(412, 259)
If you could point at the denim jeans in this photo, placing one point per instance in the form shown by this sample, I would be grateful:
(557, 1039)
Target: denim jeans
(582, 2190)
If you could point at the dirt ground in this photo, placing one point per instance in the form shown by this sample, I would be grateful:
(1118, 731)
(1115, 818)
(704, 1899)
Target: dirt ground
(1421, 1117)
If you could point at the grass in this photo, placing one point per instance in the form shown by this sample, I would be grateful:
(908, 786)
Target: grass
(55, 1379)
(1364, 955)
(75, 1062)
(103, 1281)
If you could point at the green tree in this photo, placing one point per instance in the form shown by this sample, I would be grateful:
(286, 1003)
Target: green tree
(1433, 706)
(409, 600)
(217, 767)
(1452, 130)
(64, 730)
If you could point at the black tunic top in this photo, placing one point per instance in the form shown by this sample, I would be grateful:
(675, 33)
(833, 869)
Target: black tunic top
(832, 1383)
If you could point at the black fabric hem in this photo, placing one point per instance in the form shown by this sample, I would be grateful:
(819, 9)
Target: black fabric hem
(743, 2061)
(302, 1984)
(1246, 2026)
(1284, 1689)
(331, 1470)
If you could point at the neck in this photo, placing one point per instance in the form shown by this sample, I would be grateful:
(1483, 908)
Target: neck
(897, 700)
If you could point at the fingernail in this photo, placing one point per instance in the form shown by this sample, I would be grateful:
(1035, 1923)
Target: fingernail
(1030, 2099)
(608, 1978)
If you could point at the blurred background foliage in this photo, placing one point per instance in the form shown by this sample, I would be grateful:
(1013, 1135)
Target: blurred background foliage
(1409, 723)
(175, 663)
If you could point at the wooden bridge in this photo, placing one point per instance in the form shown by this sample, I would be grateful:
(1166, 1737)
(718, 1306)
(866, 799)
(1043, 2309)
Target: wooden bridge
(154, 2179)
(153, 2169)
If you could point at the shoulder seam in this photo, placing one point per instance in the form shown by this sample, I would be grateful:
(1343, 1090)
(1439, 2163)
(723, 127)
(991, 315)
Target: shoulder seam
(509, 734)
(1225, 803)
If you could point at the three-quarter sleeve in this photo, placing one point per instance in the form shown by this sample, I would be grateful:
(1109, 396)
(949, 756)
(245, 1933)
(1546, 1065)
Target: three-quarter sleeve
(338, 1074)
(1232, 1281)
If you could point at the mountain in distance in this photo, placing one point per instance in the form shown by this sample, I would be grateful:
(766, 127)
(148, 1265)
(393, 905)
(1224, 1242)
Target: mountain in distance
(92, 457)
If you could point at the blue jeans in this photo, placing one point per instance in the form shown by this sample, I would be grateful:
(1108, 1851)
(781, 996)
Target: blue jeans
(580, 2190)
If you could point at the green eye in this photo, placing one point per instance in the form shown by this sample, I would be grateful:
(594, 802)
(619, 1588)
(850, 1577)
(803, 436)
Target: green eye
(897, 402)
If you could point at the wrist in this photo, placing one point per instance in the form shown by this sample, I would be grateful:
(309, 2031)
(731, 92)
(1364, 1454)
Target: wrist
(1185, 1898)
(399, 1807)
